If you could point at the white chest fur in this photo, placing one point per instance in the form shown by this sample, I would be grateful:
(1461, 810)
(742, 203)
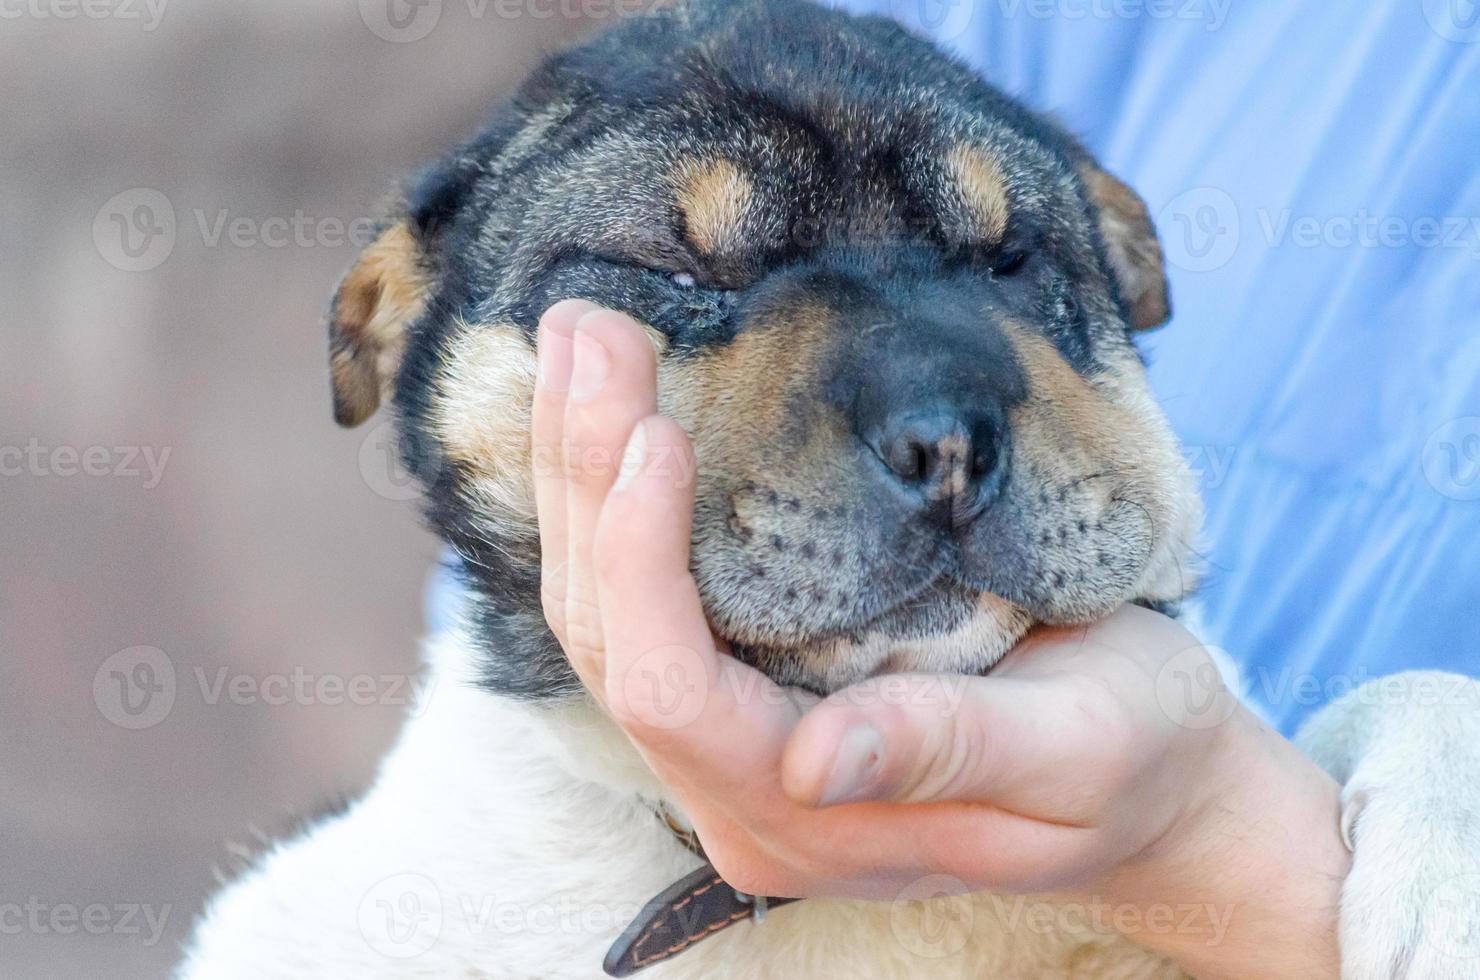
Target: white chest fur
(510, 841)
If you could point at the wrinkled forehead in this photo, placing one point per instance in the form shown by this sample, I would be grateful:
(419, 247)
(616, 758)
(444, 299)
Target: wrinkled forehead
(735, 189)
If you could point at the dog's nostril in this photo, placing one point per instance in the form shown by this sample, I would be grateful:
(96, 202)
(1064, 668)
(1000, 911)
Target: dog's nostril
(908, 448)
(942, 456)
(984, 459)
(907, 458)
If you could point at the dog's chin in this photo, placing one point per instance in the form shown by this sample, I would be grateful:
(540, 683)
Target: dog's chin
(949, 630)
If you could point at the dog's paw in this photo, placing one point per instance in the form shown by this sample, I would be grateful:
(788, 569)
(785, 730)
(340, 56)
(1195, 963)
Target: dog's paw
(1410, 907)
(1407, 750)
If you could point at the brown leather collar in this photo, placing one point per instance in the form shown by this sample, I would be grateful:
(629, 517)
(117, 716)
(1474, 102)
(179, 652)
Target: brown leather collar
(695, 907)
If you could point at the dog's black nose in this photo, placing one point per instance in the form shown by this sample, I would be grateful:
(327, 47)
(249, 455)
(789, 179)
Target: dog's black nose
(950, 458)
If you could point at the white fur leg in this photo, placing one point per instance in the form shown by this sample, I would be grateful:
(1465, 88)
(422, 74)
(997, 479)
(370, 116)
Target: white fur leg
(1406, 750)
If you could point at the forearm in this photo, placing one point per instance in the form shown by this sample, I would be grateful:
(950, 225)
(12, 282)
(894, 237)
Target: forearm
(1255, 878)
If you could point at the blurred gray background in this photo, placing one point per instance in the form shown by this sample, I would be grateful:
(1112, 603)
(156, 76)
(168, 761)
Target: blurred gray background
(210, 597)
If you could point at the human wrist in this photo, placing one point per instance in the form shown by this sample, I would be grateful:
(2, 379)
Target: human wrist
(1246, 879)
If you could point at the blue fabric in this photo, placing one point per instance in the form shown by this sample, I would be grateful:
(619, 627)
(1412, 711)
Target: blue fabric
(1315, 172)
(1314, 169)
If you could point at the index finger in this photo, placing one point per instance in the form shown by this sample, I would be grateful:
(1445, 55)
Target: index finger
(678, 696)
(556, 330)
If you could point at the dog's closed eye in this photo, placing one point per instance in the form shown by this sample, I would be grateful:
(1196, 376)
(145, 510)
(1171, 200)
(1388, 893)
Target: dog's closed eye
(677, 271)
(1009, 263)
(691, 283)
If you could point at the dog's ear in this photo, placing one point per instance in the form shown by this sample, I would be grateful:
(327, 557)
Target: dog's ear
(376, 303)
(388, 290)
(1131, 246)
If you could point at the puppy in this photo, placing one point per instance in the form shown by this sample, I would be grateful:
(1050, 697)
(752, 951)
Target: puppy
(896, 311)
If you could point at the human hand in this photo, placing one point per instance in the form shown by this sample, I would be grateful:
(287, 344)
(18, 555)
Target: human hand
(1067, 770)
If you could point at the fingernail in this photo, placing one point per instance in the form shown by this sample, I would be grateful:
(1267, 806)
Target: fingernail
(856, 767)
(555, 359)
(588, 373)
(633, 458)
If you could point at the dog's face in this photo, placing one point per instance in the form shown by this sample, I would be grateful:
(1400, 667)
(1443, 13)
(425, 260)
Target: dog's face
(893, 308)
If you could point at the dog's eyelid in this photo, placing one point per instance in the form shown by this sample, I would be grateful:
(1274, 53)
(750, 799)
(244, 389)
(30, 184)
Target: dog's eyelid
(700, 282)
(686, 277)
(1003, 257)
(1008, 254)
(1008, 260)
(644, 263)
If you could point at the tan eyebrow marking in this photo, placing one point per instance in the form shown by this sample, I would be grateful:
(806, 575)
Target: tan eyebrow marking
(983, 188)
(713, 197)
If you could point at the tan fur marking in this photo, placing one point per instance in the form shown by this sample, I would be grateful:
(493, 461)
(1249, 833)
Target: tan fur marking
(482, 413)
(983, 189)
(971, 647)
(379, 298)
(1067, 424)
(733, 398)
(1070, 427)
(713, 197)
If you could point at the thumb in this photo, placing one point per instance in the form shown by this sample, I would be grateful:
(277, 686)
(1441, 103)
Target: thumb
(925, 738)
